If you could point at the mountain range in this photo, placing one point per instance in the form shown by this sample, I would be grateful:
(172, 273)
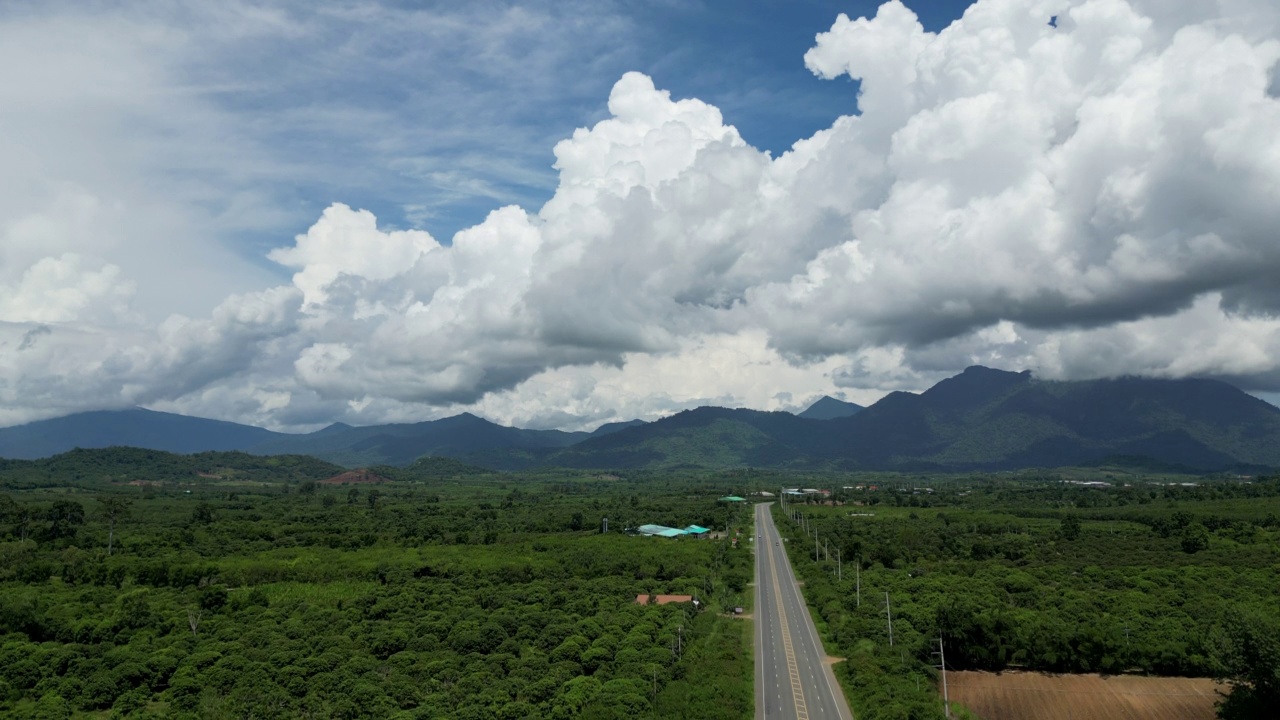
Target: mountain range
(981, 419)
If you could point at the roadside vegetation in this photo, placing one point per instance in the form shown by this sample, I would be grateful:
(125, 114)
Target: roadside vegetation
(1038, 574)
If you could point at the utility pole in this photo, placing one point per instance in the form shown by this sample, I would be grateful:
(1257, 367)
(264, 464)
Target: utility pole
(859, 582)
(826, 551)
(888, 614)
(942, 663)
(815, 547)
(839, 566)
(653, 698)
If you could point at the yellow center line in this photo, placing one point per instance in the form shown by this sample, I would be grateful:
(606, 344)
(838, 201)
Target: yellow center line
(797, 690)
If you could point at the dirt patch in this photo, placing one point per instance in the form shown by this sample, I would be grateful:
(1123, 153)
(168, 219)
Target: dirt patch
(1036, 696)
(354, 477)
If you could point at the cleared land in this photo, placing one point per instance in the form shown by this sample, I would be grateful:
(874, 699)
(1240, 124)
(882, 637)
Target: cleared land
(1036, 696)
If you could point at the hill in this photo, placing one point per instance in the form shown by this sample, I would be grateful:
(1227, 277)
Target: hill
(829, 408)
(125, 465)
(134, 428)
(459, 436)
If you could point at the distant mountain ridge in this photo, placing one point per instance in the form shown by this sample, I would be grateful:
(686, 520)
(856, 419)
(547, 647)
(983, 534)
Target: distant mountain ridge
(134, 427)
(396, 444)
(829, 408)
(981, 419)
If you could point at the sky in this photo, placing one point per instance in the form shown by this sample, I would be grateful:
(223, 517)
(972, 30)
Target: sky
(567, 213)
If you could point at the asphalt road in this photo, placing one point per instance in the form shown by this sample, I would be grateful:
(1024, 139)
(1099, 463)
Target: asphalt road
(792, 682)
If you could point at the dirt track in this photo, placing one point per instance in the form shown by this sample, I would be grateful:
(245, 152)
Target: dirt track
(1034, 696)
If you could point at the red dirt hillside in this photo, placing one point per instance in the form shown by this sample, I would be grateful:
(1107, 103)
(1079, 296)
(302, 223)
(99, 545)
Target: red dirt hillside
(354, 477)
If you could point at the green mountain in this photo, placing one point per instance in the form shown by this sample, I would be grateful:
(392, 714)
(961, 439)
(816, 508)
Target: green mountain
(992, 419)
(704, 437)
(982, 419)
(829, 408)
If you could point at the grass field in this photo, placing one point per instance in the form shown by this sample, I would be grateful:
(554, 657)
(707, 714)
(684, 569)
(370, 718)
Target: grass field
(1037, 696)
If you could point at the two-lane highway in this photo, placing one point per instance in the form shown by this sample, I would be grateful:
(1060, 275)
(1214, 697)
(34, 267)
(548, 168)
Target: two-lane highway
(792, 682)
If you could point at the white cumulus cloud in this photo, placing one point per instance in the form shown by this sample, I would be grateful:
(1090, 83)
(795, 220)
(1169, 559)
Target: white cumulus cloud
(1086, 198)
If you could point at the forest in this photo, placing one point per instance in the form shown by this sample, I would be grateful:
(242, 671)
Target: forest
(1042, 574)
(141, 584)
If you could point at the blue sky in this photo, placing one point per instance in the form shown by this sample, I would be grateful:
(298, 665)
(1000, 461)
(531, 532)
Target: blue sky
(451, 138)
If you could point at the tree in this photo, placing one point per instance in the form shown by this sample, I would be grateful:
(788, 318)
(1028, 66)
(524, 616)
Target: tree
(1070, 527)
(193, 620)
(64, 517)
(114, 509)
(372, 499)
(1251, 665)
(353, 496)
(203, 514)
(19, 515)
(212, 598)
(1195, 538)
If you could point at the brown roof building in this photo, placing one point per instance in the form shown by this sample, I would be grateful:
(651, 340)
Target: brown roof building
(662, 599)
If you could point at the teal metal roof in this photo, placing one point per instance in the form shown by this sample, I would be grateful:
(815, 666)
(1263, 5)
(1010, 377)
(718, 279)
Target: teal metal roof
(696, 530)
(732, 498)
(660, 530)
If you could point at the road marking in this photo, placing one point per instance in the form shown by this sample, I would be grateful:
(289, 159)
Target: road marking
(793, 671)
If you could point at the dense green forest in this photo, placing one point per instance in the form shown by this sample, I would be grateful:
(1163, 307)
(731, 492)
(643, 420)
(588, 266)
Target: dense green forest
(223, 585)
(1166, 579)
(136, 583)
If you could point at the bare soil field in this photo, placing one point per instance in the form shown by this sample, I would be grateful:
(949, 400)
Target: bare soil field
(1036, 696)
